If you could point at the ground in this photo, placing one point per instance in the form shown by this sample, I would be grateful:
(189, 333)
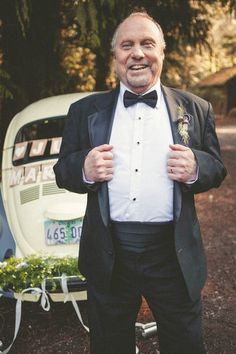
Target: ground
(59, 330)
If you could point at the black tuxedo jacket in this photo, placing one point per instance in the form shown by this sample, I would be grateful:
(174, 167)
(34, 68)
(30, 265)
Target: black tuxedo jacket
(88, 125)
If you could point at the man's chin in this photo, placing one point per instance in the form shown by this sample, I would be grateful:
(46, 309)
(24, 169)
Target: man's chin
(138, 81)
(138, 86)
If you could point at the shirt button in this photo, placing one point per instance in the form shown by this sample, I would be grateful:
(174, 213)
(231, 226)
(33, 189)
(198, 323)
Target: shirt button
(136, 170)
(138, 142)
(134, 199)
(139, 118)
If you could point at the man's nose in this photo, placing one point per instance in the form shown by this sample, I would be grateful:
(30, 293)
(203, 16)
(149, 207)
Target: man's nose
(137, 52)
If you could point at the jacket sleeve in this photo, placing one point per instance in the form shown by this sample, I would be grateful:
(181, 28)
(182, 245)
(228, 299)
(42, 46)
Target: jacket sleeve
(211, 168)
(69, 167)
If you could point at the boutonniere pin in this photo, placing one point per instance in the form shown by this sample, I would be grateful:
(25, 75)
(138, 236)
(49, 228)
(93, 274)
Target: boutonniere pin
(183, 120)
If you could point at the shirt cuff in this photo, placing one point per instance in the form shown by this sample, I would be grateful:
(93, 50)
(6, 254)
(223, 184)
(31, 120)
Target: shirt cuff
(85, 180)
(193, 180)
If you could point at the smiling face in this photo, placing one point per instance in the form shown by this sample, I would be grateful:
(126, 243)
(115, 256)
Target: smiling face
(138, 53)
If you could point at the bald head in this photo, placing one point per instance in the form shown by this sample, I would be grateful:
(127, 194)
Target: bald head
(142, 15)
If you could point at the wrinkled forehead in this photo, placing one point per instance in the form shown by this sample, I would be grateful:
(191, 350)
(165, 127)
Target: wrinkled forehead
(137, 27)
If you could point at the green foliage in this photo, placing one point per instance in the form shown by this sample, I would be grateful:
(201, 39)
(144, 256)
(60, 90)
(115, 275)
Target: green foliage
(184, 23)
(215, 95)
(18, 274)
(23, 14)
(5, 85)
(33, 48)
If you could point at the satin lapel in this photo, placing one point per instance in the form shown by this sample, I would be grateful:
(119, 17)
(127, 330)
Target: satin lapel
(172, 104)
(99, 126)
(172, 107)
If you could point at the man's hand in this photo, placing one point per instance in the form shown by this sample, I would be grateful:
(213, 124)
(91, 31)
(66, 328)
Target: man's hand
(181, 164)
(98, 165)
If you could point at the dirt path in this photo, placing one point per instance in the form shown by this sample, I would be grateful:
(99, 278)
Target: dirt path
(59, 331)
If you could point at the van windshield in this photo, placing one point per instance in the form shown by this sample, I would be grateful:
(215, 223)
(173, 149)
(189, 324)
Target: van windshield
(38, 140)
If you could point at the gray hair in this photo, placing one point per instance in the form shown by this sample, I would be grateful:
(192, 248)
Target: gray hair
(144, 15)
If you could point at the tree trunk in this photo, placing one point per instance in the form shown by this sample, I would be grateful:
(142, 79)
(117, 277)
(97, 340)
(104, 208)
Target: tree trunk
(102, 70)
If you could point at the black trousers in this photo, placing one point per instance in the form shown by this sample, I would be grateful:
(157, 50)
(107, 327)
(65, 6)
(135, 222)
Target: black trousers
(146, 265)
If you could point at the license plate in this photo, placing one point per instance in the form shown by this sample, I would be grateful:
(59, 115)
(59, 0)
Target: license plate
(62, 232)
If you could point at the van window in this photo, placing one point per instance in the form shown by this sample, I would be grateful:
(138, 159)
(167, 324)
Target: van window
(38, 140)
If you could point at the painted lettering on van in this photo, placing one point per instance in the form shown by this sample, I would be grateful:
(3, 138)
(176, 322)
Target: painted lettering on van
(19, 151)
(32, 174)
(55, 146)
(37, 148)
(16, 176)
(47, 172)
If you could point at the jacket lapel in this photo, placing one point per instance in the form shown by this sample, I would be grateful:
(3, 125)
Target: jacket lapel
(100, 121)
(172, 104)
(99, 127)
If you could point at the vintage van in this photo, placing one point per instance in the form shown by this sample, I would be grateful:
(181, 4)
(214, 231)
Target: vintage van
(36, 217)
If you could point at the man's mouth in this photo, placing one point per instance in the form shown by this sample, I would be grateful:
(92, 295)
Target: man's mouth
(137, 67)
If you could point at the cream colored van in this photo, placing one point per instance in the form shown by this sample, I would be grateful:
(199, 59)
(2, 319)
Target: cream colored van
(42, 219)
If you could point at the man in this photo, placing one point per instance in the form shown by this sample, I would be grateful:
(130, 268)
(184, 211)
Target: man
(141, 160)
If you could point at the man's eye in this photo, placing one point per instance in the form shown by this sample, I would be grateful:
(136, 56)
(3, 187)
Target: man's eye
(148, 44)
(126, 46)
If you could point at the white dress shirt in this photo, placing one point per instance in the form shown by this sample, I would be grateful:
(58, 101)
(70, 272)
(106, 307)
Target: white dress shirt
(140, 189)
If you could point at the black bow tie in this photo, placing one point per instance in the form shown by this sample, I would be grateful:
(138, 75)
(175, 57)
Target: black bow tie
(150, 98)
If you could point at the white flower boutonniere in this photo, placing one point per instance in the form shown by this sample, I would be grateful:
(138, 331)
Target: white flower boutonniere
(183, 121)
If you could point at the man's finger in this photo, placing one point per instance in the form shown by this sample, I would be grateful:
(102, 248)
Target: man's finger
(104, 147)
(178, 147)
(107, 155)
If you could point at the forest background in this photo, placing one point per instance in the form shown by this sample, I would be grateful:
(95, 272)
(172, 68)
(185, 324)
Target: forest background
(62, 46)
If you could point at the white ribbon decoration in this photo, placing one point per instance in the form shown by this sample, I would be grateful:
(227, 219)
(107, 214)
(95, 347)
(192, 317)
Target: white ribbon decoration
(70, 297)
(44, 303)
